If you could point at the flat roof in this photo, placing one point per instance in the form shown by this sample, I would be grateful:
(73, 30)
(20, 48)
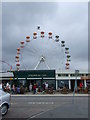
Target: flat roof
(71, 71)
(6, 74)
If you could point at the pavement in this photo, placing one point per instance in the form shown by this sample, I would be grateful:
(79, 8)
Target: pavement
(57, 94)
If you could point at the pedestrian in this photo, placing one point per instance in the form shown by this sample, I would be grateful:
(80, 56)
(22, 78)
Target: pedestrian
(0, 85)
(81, 87)
(8, 87)
(46, 86)
(34, 89)
(30, 87)
(18, 90)
(43, 86)
(13, 88)
(22, 90)
(3, 87)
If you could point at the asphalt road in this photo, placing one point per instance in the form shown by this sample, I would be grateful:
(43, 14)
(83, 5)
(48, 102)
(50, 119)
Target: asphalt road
(48, 107)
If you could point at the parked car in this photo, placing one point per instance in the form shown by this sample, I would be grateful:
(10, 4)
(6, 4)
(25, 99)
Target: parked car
(4, 102)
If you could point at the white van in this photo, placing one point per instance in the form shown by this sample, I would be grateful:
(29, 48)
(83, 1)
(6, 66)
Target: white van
(4, 102)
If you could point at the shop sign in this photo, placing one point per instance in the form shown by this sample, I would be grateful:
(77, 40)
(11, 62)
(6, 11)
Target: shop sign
(34, 74)
(85, 78)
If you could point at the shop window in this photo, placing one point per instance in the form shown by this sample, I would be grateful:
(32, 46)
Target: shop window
(72, 75)
(59, 74)
(64, 75)
(62, 83)
(81, 75)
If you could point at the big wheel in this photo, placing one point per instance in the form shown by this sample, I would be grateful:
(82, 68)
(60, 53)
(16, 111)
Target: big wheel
(42, 50)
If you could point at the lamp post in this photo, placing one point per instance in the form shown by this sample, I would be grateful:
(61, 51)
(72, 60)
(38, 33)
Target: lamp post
(75, 86)
(76, 74)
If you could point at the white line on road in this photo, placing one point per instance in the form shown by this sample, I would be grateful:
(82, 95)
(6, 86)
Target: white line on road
(37, 114)
(41, 103)
(13, 103)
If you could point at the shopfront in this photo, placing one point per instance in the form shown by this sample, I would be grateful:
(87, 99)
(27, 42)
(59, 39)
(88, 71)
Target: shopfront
(39, 77)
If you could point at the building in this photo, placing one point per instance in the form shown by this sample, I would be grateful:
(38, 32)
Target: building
(6, 76)
(55, 79)
(69, 78)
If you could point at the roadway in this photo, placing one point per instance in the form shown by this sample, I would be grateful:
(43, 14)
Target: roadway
(48, 107)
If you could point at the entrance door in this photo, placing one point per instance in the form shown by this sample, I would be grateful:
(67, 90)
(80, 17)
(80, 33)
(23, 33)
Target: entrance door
(72, 84)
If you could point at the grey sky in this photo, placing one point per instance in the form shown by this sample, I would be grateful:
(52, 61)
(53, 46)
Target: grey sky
(68, 20)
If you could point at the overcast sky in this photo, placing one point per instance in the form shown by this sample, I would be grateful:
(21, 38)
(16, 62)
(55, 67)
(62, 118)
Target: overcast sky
(68, 20)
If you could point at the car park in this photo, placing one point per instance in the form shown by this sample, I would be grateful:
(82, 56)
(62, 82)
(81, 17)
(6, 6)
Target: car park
(4, 102)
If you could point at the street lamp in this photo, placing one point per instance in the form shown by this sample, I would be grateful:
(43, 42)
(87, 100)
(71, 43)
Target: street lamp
(76, 74)
(75, 86)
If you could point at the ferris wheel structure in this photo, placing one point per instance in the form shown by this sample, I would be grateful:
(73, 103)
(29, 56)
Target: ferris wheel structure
(42, 59)
(42, 49)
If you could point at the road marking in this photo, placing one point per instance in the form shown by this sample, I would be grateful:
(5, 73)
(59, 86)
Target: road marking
(41, 103)
(13, 103)
(37, 114)
(33, 116)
